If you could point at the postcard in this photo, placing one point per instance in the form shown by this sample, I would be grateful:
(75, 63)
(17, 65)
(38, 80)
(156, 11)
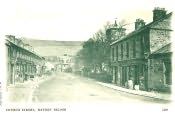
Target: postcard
(87, 57)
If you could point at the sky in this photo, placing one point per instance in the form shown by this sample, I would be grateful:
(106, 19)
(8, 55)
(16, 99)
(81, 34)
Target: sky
(71, 20)
(54, 48)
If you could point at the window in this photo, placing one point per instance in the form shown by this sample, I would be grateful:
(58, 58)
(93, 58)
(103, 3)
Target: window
(142, 46)
(30, 68)
(112, 54)
(19, 55)
(134, 48)
(15, 52)
(25, 67)
(116, 53)
(24, 56)
(121, 51)
(9, 52)
(17, 67)
(127, 50)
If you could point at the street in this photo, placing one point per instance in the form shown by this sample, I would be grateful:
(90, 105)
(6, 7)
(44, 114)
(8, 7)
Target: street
(65, 87)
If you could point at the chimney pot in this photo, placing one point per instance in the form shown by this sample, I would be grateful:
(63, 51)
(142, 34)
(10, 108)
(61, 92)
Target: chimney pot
(139, 23)
(158, 13)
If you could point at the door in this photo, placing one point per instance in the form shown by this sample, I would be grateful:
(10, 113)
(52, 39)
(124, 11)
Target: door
(11, 74)
(124, 77)
(137, 74)
(167, 73)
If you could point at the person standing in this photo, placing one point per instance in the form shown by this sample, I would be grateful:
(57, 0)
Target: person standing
(130, 83)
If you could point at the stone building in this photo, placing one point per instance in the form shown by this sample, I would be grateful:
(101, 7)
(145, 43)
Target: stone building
(132, 55)
(23, 62)
(160, 71)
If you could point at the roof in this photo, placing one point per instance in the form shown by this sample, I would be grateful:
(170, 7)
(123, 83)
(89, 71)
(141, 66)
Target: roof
(141, 29)
(23, 48)
(164, 49)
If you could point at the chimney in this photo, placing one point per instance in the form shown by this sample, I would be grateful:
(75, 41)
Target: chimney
(139, 23)
(158, 13)
(11, 38)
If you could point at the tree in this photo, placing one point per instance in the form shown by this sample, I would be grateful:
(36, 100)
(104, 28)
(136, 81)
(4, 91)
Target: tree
(96, 51)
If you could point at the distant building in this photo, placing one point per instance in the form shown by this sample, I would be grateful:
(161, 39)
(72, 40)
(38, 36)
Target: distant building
(23, 62)
(144, 55)
(52, 59)
(65, 63)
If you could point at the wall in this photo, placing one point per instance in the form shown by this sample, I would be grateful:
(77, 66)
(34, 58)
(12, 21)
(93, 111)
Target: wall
(160, 34)
(158, 39)
(156, 74)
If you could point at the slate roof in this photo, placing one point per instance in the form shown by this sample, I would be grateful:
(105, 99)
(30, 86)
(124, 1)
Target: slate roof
(141, 29)
(26, 50)
(164, 49)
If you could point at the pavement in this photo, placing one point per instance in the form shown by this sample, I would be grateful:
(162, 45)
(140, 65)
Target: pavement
(22, 92)
(155, 95)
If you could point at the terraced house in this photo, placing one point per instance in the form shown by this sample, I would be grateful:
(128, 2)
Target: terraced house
(23, 62)
(144, 55)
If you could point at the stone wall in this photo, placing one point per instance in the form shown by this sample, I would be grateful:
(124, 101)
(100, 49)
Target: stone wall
(160, 34)
(156, 74)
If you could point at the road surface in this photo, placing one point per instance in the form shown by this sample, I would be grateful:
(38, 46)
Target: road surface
(65, 87)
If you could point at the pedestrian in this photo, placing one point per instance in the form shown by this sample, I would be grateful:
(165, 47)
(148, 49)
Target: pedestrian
(136, 87)
(130, 83)
(126, 84)
(141, 82)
